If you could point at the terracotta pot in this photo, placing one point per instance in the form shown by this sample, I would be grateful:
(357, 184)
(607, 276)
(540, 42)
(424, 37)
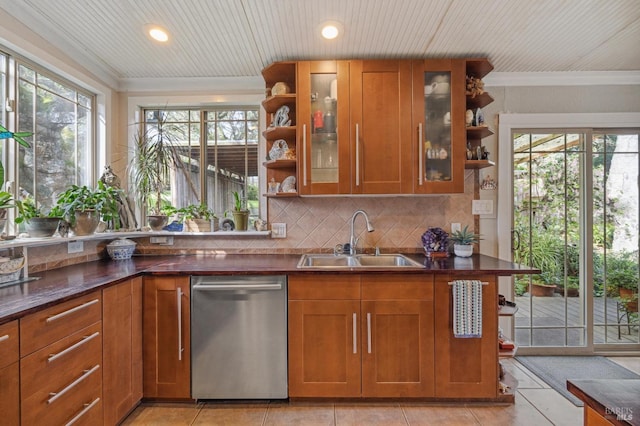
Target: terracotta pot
(543, 290)
(632, 296)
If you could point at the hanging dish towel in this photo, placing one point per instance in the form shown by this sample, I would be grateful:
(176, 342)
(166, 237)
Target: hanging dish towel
(467, 308)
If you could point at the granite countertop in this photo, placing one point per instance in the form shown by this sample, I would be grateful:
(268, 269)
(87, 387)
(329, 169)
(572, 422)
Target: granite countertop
(55, 286)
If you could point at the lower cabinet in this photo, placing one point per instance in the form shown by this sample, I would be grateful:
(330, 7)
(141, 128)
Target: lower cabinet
(361, 336)
(466, 368)
(61, 363)
(166, 330)
(122, 349)
(9, 374)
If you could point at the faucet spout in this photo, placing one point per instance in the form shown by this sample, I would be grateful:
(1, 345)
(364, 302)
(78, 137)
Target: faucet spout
(353, 241)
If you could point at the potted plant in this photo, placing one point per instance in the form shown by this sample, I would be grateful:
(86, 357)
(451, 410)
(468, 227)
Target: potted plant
(6, 198)
(622, 277)
(38, 224)
(462, 241)
(198, 218)
(83, 207)
(155, 155)
(240, 214)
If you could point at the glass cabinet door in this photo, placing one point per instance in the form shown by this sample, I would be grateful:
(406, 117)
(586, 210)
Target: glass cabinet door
(324, 136)
(437, 140)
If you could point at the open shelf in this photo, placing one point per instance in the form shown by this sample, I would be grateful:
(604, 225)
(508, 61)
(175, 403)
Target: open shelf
(507, 311)
(478, 132)
(280, 164)
(272, 103)
(281, 132)
(479, 101)
(478, 164)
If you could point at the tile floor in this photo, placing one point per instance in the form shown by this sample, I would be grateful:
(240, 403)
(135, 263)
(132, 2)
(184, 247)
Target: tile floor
(536, 404)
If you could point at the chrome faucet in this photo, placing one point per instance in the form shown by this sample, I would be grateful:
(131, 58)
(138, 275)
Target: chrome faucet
(353, 241)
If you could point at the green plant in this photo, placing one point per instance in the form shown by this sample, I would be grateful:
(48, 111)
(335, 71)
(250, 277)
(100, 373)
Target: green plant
(196, 211)
(6, 198)
(27, 210)
(464, 237)
(622, 272)
(237, 202)
(103, 199)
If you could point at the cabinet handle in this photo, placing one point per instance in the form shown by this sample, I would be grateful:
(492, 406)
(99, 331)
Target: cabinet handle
(3, 338)
(87, 373)
(368, 332)
(355, 333)
(304, 155)
(420, 153)
(179, 299)
(357, 155)
(86, 408)
(72, 310)
(84, 340)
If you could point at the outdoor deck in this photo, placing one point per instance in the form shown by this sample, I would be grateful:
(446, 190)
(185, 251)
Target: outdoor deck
(550, 315)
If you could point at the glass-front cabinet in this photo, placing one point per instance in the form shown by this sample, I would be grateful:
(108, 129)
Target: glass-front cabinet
(438, 119)
(323, 118)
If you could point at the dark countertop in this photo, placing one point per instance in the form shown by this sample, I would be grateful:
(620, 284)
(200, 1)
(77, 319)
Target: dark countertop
(615, 400)
(61, 284)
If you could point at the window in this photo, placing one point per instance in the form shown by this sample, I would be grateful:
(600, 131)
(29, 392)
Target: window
(61, 118)
(219, 150)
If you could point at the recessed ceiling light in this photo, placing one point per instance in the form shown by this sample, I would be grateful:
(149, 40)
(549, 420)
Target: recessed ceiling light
(157, 33)
(331, 30)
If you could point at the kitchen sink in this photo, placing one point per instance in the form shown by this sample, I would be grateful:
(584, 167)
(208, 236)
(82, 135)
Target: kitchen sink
(363, 261)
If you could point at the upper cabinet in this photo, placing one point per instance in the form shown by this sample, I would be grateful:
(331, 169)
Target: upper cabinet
(323, 127)
(280, 134)
(373, 126)
(438, 122)
(476, 99)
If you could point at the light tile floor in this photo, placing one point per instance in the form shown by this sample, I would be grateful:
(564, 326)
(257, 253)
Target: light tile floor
(536, 404)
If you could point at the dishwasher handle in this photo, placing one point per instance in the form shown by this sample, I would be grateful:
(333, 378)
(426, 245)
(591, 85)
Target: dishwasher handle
(237, 285)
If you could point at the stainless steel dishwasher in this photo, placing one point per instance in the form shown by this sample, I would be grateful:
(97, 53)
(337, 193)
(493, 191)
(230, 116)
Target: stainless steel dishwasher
(239, 337)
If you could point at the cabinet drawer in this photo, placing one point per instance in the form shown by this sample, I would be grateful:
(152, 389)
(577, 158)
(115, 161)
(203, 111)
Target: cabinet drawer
(324, 287)
(397, 287)
(62, 361)
(8, 343)
(58, 380)
(47, 326)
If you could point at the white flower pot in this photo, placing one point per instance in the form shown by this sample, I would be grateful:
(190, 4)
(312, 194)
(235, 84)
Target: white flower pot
(463, 250)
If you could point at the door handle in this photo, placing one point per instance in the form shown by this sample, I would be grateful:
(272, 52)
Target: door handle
(304, 155)
(420, 154)
(357, 155)
(355, 333)
(179, 299)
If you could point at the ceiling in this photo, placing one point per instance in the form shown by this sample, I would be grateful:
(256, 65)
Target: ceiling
(237, 38)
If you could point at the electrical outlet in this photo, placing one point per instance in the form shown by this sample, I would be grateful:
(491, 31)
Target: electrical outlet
(278, 230)
(163, 241)
(455, 227)
(482, 207)
(75, 247)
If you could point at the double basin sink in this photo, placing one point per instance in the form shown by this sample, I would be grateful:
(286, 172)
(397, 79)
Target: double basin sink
(360, 261)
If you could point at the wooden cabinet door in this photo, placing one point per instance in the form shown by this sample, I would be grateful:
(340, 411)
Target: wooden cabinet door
(323, 125)
(166, 331)
(122, 349)
(439, 134)
(9, 374)
(466, 368)
(380, 127)
(397, 348)
(324, 349)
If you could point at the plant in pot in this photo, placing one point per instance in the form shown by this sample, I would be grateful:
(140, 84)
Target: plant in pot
(6, 198)
(37, 223)
(462, 241)
(198, 218)
(240, 214)
(83, 207)
(622, 278)
(155, 155)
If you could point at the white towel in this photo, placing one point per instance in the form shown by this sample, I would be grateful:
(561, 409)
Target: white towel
(467, 308)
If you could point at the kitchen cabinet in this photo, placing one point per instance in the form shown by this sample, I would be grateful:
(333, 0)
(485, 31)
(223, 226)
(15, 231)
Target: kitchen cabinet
(122, 349)
(280, 80)
(477, 68)
(9, 374)
(166, 330)
(380, 127)
(323, 123)
(61, 363)
(361, 336)
(466, 368)
(439, 123)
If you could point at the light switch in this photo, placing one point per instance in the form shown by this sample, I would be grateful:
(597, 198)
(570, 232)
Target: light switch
(278, 230)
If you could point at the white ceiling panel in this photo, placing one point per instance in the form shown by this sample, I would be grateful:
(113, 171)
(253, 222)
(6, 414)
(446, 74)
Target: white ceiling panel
(237, 38)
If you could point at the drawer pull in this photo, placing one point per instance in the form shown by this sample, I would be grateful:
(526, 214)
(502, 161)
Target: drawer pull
(3, 338)
(354, 324)
(86, 408)
(84, 340)
(87, 373)
(72, 310)
(368, 332)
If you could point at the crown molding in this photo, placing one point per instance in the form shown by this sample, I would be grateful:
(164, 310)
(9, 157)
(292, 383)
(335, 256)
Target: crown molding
(564, 78)
(237, 85)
